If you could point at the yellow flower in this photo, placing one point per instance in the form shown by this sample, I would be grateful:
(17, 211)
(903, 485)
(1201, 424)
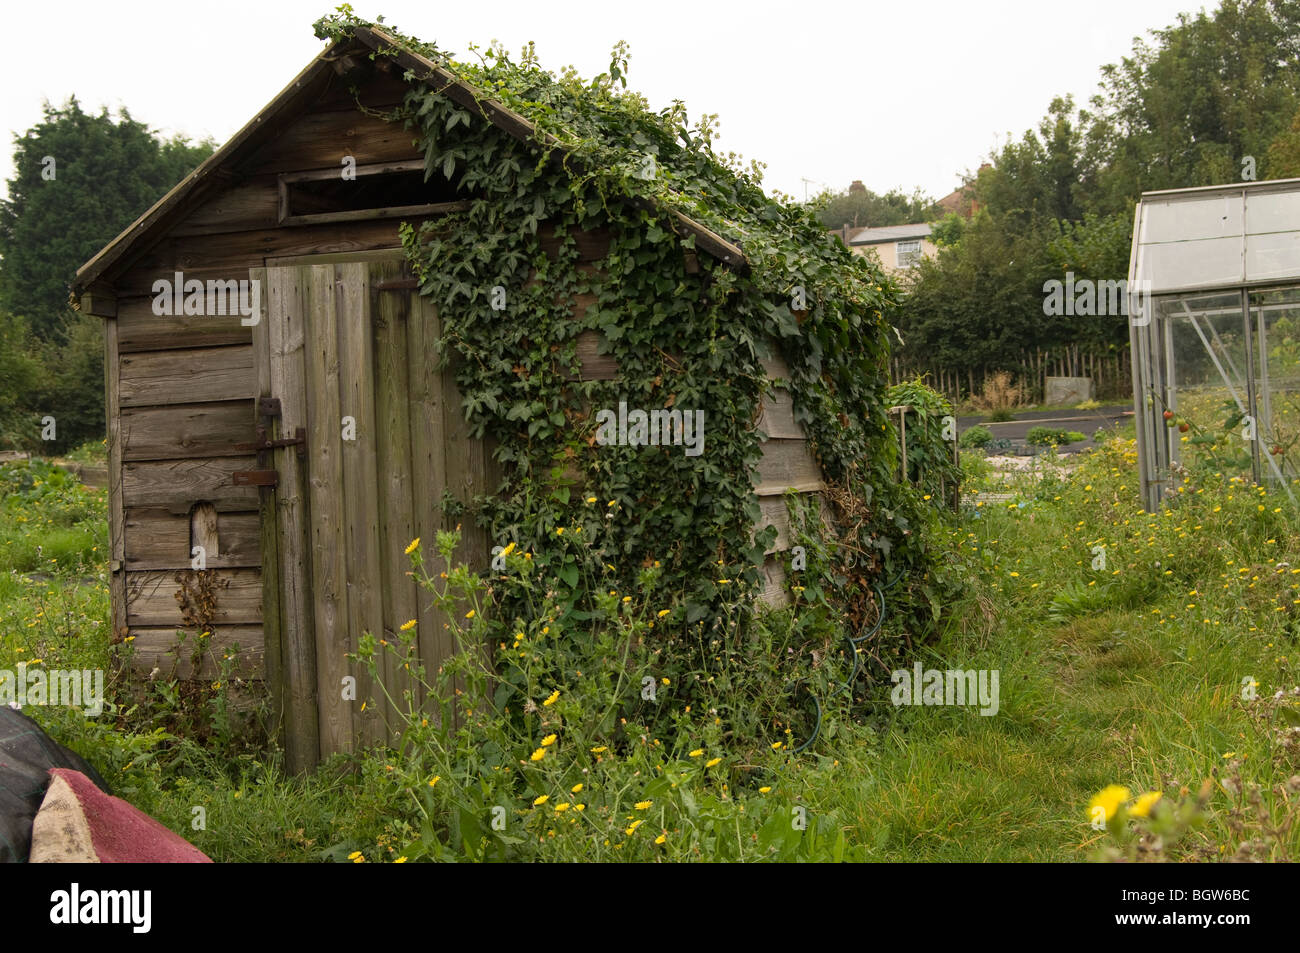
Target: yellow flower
(548, 741)
(661, 838)
(666, 681)
(579, 807)
(663, 612)
(561, 808)
(576, 788)
(642, 805)
(712, 761)
(591, 499)
(510, 548)
(612, 502)
(469, 614)
(354, 855)
(400, 860)
(559, 531)
(697, 752)
(764, 790)
(1108, 799)
(552, 698)
(435, 780)
(598, 749)
(538, 802)
(414, 545)
(776, 745)
(1142, 806)
(408, 625)
(631, 829)
(537, 755)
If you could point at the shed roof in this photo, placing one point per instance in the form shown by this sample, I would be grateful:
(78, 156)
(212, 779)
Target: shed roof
(215, 171)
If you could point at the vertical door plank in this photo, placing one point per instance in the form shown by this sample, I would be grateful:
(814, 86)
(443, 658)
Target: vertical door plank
(428, 471)
(390, 312)
(273, 668)
(360, 490)
(286, 335)
(325, 481)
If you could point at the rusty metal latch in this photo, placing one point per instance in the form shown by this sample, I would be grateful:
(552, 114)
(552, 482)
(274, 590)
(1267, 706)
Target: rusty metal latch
(299, 440)
(255, 478)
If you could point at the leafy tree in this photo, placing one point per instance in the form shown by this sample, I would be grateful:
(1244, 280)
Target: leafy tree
(79, 180)
(863, 208)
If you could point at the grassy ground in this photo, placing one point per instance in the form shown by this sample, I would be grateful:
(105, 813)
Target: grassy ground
(1154, 670)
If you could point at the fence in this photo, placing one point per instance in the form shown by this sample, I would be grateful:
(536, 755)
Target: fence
(1110, 371)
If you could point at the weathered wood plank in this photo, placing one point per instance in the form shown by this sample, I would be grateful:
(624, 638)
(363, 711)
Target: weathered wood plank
(776, 417)
(187, 376)
(253, 203)
(362, 476)
(174, 656)
(329, 568)
(390, 316)
(775, 512)
(152, 597)
(428, 469)
(775, 591)
(116, 517)
(786, 464)
(139, 329)
(157, 539)
(176, 485)
(187, 430)
(595, 366)
(320, 140)
(265, 541)
(234, 253)
(286, 334)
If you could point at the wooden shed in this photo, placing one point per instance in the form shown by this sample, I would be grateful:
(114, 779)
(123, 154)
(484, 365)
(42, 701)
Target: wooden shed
(251, 316)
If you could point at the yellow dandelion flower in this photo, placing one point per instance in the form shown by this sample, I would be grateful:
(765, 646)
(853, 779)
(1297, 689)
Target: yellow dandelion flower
(538, 802)
(591, 499)
(510, 548)
(414, 545)
(354, 855)
(579, 807)
(400, 860)
(561, 808)
(764, 790)
(576, 788)
(1108, 799)
(408, 625)
(537, 755)
(1142, 806)
(712, 761)
(642, 805)
(552, 698)
(631, 828)
(598, 749)
(469, 614)
(548, 741)
(435, 779)
(664, 612)
(697, 752)
(661, 838)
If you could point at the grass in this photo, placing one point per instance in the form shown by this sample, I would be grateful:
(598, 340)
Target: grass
(1122, 641)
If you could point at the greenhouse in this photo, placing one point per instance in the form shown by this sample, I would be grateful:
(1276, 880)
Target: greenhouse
(1214, 323)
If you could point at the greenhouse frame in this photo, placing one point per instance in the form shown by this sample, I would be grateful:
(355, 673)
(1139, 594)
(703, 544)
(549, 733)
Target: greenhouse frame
(1214, 325)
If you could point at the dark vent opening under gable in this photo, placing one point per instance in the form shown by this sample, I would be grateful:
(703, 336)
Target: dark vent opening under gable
(361, 192)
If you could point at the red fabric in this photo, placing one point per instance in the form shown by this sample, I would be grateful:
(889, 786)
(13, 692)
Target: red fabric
(123, 834)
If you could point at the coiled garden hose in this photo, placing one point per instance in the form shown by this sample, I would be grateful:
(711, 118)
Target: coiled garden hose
(847, 686)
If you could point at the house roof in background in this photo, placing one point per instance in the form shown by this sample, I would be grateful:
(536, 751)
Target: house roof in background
(889, 233)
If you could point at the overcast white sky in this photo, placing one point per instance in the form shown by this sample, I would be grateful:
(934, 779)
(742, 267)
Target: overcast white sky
(904, 93)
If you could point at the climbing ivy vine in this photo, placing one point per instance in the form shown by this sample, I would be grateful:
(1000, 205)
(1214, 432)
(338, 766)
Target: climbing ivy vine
(687, 331)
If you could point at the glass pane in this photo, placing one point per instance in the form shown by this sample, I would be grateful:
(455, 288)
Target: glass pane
(1276, 317)
(1208, 392)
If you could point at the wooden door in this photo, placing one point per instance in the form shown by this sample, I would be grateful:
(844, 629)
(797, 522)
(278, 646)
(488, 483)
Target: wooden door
(349, 350)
